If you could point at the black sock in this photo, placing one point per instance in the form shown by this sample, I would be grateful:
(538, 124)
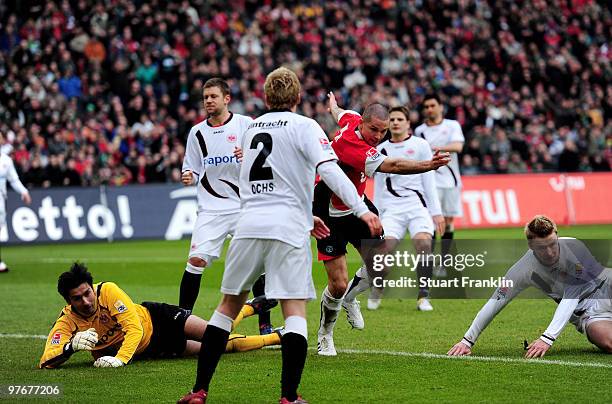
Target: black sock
(259, 289)
(294, 349)
(424, 271)
(447, 241)
(190, 287)
(214, 341)
(433, 242)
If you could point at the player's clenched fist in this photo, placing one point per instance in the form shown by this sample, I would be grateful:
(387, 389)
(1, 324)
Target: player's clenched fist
(84, 340)
(108, 362)
(187, 178)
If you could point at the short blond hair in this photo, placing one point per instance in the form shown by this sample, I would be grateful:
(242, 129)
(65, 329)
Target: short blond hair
(282, 89)
(540, 226)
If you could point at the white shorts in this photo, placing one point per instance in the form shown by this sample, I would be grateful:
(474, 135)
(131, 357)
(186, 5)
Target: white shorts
(415, 219)
(600, 309)
(288, 269)
(450, 202)
(209, 233)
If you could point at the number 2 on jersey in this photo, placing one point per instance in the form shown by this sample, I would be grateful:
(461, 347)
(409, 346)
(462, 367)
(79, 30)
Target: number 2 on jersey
(258, 171)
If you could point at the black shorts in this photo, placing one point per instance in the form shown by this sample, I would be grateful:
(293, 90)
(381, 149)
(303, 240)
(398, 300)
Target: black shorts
(344, 230)
(168, 339)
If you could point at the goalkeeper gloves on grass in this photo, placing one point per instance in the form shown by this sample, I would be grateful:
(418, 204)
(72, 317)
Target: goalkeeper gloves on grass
(84, 340)
(108, 362)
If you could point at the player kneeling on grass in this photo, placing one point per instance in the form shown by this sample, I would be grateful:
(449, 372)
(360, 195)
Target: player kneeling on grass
(102, 318)
(564, 269)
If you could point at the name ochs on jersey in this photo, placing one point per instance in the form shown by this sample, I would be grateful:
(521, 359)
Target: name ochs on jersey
(281, 151)
(210, 156)
(259, 172)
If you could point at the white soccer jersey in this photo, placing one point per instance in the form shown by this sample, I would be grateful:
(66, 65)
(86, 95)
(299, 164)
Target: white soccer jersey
(8, 173)
(210, 155)
(281, 152)
(402, 191)
(575, 282)
(446, 132)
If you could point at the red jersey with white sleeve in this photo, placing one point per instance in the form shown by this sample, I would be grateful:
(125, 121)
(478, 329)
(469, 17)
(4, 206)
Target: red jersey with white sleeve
(357, 159)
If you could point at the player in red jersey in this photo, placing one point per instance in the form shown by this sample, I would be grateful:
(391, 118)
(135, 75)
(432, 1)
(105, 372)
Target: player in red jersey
(355, 145)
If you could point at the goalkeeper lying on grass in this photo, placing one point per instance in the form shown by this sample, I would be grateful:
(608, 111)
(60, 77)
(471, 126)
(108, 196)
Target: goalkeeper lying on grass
(102, 318)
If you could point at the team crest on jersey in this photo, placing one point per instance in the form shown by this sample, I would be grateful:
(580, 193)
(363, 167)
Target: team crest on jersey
(410, 151)
(502, 292)
(579, 268)
(325, 144)
(232, 138)
(373, 154)
(56, 338)
(121, 308)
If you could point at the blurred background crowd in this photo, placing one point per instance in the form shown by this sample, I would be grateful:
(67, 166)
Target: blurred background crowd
(105, 91)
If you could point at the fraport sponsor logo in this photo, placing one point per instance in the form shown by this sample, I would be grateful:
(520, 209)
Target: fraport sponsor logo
(217, 160)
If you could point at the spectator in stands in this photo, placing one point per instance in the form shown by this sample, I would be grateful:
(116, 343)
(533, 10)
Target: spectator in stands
(520, 78)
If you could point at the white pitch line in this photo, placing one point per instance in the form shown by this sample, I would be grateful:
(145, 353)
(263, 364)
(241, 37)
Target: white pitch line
(427, 355)
(111, 260)
(23, 336)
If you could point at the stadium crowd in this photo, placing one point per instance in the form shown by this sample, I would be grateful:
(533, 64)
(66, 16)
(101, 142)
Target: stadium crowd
(104, 92)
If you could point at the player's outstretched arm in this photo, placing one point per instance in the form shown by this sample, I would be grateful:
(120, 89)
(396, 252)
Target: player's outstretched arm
(395, 165)
(333, 107)
(63, 341)
(452, 147)
(459, 349)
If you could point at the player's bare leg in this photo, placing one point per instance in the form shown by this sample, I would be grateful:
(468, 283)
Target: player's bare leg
(195, 327)
(600, 334)
(192, 348)
(331, 300)
(294, 344)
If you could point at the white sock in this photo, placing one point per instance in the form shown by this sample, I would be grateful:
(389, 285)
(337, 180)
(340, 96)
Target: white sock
(363, 283)
(297, 325)
(221, 321)
(330, 307)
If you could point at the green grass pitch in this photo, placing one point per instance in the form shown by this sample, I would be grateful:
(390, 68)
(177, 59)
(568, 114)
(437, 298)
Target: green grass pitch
(397, 358)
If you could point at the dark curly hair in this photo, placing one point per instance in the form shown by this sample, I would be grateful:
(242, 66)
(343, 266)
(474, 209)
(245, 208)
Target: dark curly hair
(76, 276)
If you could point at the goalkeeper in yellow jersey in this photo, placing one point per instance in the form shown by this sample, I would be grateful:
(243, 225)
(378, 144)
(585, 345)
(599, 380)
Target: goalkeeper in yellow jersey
(102, 318)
